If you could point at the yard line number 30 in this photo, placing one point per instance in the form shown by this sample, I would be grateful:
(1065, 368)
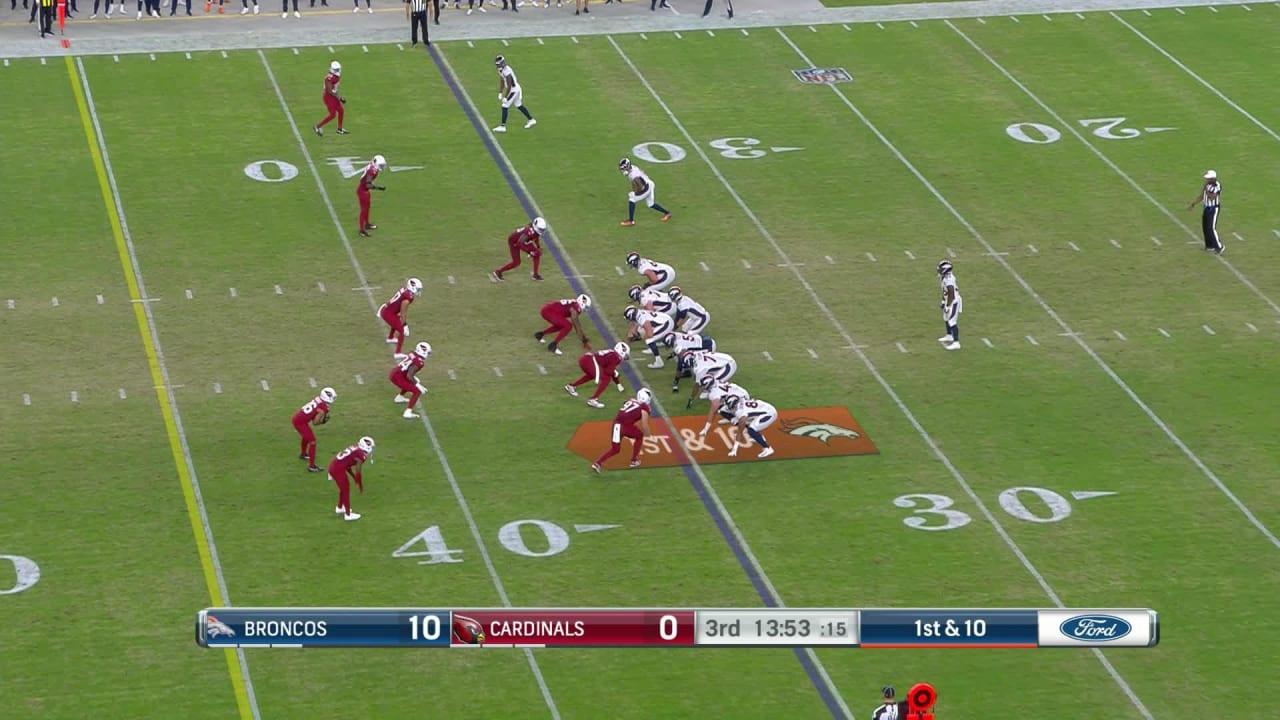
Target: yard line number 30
(935, 512)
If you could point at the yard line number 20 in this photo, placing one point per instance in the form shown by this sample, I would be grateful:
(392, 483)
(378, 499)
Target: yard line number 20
(935, 512)
(1041, 134)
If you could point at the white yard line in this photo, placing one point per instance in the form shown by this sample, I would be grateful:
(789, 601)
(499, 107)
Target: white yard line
(968, 489)
(701, 475)
(426, 421)
(1164, 427)
(164, 373)
(875, 372)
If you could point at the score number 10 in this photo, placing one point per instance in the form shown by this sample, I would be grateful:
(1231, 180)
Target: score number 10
(428, 624)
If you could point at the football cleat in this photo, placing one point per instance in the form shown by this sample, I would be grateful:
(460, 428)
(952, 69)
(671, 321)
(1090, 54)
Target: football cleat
(530, 124)
(656, 364)
(944, 339)
(500, 129)
(765, 452)
(627, 223)
(351, 516)
(340, 510)
(319, 130)
(409, 414)
(401, 399)
(552, 348)
(595, 403)
(315, 468)
(633, 258)
(595, 466)
(635, 463)
(538, 336)
(536, 276)
(304, 456)
(497, 276)
(954, 346)
(666, 217)
(571, 390)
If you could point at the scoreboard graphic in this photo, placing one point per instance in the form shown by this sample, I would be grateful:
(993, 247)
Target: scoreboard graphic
(626, 628)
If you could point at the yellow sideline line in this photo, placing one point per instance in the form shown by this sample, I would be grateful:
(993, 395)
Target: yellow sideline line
(162, 393)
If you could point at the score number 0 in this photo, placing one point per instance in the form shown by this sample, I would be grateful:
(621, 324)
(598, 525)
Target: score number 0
(430, 627)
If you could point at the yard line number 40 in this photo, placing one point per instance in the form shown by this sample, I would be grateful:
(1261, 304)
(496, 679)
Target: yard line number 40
(1108, 128)
(935, 512)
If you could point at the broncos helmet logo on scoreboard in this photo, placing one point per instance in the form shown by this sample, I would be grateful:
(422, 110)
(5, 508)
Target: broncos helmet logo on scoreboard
(467, 631)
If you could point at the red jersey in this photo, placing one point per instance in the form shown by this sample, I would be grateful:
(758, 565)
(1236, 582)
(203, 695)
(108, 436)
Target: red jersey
(344, 461)
(413, 363)
(400, 300)
(331, 83)
(631, 411)
(563, 308)
(608, 362)
(524, 237)
(370, 174)
(312, 411)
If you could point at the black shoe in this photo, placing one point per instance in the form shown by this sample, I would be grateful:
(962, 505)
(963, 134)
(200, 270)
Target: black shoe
(343, 131)
(536, 276)
(675, 388)
(313, 468)
(304, 456)
(536, 336)
(551, 347)
(370, 226)
(365, 233)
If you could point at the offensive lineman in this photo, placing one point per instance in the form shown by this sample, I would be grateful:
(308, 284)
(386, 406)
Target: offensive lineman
(600, 367)
(651, 327)
(510, 93)
(718, 393)
(315, 412)
(700, 364)
(691, 317)
(652, 299)
(641, 189)
(657, 275)
(951, 305)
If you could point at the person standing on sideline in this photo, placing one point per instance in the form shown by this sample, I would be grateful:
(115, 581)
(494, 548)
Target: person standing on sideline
(417, 12)
(46, 17)
(284, 8)
(245, 10)
(727, 3)
(323, 3)
(581, 7)
(97, 4)
(367, 3)
(1211, 197)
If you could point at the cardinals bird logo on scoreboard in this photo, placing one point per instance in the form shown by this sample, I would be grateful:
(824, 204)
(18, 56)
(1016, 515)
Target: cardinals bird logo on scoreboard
(467, 631)
(216, 628)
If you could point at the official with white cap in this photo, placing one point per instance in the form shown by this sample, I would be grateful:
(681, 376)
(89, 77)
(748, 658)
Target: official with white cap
(1211, 197)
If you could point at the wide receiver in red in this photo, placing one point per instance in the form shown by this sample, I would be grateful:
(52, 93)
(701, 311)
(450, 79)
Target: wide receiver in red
(600, 367)
(333, 102)
(347, 466)
(564, 316)
(315, 412)
(527, 239)
(395, 313)
(633, 411)
(405, 376)
(367, 178)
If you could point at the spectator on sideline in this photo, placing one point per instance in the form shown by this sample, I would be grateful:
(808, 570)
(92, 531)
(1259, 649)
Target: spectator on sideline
(285, 8)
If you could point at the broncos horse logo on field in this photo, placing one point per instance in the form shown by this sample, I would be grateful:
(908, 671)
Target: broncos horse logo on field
(216, 627)
(824, 431)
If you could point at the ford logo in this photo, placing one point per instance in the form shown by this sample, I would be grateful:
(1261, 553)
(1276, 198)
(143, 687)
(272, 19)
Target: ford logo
(1095, 628)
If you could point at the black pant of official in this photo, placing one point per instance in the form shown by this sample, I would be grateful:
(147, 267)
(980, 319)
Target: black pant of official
(1209, 223)
(416, 19)
(46, 20)
(707, 10)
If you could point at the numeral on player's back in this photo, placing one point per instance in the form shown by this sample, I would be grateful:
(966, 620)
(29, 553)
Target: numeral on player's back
(437, 550)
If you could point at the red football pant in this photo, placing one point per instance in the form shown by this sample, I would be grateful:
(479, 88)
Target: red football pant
(406, 386)
(559, 323)
(344, 488)
(365, 201)
(588, 366)
(308, 440)
(397, 329)
(335, 110)
(619, 432)
(534, 253)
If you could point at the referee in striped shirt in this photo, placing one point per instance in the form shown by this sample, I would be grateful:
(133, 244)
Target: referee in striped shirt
(1211, 197)
(891, 709)
(417, 12)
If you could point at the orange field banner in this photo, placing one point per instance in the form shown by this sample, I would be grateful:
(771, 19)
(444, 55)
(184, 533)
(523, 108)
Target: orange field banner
(797, 434)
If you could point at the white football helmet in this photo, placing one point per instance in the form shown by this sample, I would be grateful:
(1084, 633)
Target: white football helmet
(380, 161)
(675, 293)
(623, 349)
(539, 225)
(584, 301)
(366, 444)
(706, 382)
(422, 350)
(335, 67)
(624, 165)
(634, 292)
(328, 395)
(644, 395)
(633, 259)
(414, 285)
(944, 268)
(499, 61)
(631, 313)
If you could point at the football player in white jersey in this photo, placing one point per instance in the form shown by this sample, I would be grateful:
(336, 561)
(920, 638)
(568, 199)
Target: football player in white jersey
(700, 364)
(642, 189)
(717, 393)
(681, 342)
(651, 327)
(751, 417)
(951, 305)
(657, 275)
(691, 317)
(652, 299)
(510, 94)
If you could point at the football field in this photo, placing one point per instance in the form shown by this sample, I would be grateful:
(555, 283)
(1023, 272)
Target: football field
(183, 271)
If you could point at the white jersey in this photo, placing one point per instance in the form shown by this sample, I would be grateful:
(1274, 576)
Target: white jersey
(635, 173)
(721, 390)
(660, 300)
(684, 342)
(691, 313)
(660, 324)
(758, 414)
(509, 77)
(951, 313)
(718, 365)
(665, 273)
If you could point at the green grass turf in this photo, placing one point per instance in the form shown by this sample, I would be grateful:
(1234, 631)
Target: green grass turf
(99, 504)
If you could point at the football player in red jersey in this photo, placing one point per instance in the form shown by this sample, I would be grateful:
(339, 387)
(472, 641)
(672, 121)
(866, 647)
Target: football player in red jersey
(633, 411)
(315, 412)
(375, 166)
(405, 376)
(526, 239)
(333, 102)
(347, 466)
(600, 367)
(564, 318)
(395, 313)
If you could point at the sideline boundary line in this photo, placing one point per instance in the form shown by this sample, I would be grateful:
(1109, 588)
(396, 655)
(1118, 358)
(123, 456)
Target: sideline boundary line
(215, 582)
